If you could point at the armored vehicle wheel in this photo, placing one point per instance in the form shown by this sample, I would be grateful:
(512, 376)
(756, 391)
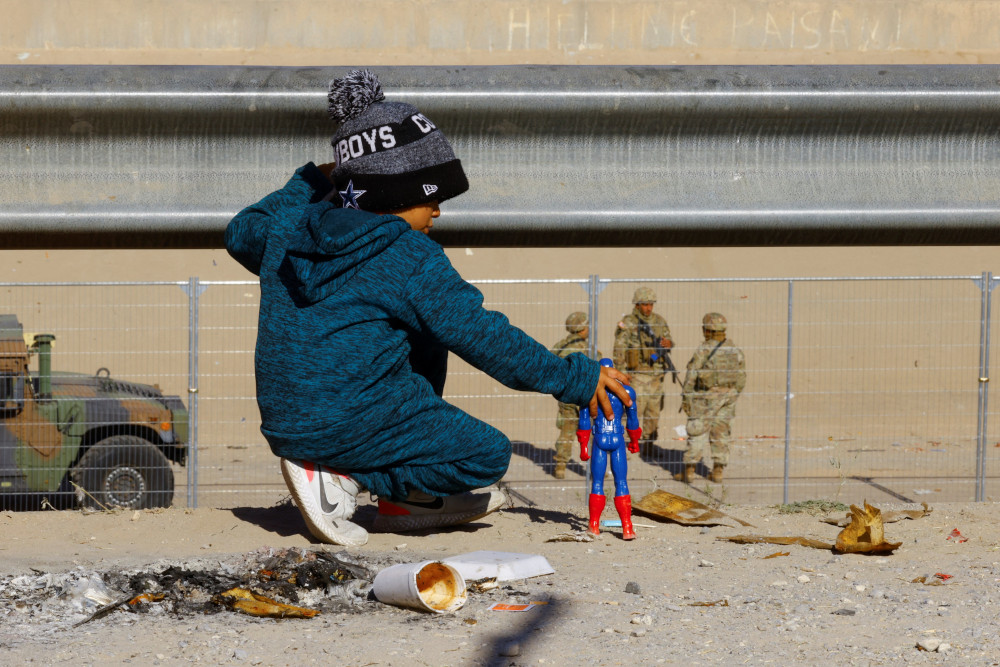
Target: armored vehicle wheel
(124, 471)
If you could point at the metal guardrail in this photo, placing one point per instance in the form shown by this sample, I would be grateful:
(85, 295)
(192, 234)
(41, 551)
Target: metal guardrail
(561, 155)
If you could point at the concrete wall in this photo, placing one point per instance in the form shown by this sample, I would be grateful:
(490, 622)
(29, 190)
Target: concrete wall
(487, 32)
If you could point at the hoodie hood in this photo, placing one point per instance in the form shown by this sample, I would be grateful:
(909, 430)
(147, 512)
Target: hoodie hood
(333, 244)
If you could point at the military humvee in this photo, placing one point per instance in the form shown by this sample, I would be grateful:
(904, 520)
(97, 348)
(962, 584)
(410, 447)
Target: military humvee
(70, 437)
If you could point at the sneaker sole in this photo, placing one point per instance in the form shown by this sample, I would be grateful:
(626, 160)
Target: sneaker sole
(348, 534)
(387, 523)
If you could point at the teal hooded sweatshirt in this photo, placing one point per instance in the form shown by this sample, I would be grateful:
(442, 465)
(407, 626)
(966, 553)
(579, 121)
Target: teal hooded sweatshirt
(357, 315)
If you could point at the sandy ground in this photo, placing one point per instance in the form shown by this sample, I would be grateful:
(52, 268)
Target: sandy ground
(609, 601)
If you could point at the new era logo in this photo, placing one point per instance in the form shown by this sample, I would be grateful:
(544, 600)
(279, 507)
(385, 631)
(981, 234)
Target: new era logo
(430, 189)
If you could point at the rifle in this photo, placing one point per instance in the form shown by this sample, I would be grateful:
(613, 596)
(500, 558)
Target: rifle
(659, 351)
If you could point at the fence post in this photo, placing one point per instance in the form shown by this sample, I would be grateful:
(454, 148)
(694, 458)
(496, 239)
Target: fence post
(194, 289)
(593, 289)
(788, 392)
(986, 290)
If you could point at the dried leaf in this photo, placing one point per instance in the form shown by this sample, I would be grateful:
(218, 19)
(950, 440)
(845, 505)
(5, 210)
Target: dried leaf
(763, 539)
(887, 517)
(664, 505)
(865, 533)
(776, 554)
(240, 599)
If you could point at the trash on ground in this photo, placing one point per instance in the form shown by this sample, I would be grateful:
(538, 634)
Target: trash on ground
(930, 580)
(887, 517)
(503, 606)
(574, 536)
(482, 585)
(957, 536)
(432, 586)
(713, 603)
(764, 539)
(499, 565)
(776, 554)
(664, 505)
(865, 533)
(942, 576)
(254, 604)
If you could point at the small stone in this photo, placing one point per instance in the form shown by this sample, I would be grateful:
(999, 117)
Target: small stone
(510, 649)
(239, 654)
(943, 647)
(640, 632)
(780, 582)
(673, 607)
(860, 588)
(400, 547)
(803, 579)
(642, 619)
(706, 563)
(633, 588)
(844, 612)
(929, 644)
(608, 631)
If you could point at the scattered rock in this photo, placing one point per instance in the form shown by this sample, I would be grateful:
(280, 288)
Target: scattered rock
(510, 649)
(706, 563)
(633, 588)
(929, 644)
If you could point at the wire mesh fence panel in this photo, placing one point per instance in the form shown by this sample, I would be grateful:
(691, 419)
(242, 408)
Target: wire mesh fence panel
(991, 436)
(93, 380)
(235, 464)
(757, 322)
(856, 389)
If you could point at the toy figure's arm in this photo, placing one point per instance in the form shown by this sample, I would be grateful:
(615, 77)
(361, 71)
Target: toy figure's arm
(632, 423)
(583, 429)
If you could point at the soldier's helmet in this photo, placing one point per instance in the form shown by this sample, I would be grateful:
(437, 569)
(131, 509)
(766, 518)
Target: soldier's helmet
(576, 322)
(714, 322)
(644, 295)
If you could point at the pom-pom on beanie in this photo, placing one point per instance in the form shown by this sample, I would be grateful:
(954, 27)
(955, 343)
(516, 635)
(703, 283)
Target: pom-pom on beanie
(389, 155)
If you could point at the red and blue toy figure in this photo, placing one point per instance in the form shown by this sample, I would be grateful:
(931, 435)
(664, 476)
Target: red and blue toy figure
(609, 444)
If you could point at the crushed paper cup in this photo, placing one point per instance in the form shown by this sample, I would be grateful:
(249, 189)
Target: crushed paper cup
(428, 586)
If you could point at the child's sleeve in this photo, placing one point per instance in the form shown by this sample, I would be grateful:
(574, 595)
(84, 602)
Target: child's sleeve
(247, 232)
(451, 310)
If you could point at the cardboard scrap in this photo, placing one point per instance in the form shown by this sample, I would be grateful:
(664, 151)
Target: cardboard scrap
(764, 539)
(664, 505)
(887, 517)
(865, 533)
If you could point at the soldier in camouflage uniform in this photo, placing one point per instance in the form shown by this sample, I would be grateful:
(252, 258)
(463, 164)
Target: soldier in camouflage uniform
(642, 343)
(715, 378)
(578, 328)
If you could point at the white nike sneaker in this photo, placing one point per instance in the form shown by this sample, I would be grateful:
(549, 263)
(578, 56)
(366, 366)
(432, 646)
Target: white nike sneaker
(327, 500)
(420, 511)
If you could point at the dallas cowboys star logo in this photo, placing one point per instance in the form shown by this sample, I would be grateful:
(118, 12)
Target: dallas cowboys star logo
(350, 196)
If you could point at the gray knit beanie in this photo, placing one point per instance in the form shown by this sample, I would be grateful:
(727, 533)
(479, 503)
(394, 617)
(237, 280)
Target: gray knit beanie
(389, 155)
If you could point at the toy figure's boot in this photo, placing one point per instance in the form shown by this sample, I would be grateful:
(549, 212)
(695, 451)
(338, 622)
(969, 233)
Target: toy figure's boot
(624, 506)
(596, 507)
(717, 473)
(559, 472)
(687, 474)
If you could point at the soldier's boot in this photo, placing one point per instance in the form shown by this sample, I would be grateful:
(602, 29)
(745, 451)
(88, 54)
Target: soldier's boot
(559, 472)
(717, 473)
(624, 506)
(596, 507)
(686, 475)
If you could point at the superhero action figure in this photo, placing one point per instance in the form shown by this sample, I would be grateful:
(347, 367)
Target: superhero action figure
(609, 443)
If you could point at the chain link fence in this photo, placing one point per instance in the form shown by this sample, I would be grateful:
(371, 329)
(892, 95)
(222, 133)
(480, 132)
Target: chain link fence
(858, 388)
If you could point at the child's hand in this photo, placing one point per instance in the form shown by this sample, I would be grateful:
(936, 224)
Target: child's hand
(611, 380)
(327, 169)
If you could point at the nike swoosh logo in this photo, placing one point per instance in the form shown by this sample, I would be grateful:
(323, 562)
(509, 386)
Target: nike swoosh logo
(435, 504)
(324, 504)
